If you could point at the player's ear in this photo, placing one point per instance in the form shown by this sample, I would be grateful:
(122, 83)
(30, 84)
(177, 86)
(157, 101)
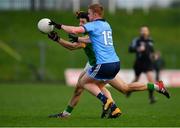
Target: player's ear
(95, 14)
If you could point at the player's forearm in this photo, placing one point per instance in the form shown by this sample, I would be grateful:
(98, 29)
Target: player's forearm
(84, 39)
(73, 29)
(65, 46)
(69, 45)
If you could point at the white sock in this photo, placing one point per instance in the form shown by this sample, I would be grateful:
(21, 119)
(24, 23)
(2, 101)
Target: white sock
(66, 113)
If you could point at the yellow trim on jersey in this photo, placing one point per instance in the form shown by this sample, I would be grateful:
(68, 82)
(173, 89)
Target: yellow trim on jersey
(84, 44)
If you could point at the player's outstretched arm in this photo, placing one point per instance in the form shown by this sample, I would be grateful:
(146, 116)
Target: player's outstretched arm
(68, 29)
(75, 38)
(71, 46)
(84, 39)
(73, 29)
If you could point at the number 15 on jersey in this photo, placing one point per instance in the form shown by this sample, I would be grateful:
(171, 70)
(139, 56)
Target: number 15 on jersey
(107, 37)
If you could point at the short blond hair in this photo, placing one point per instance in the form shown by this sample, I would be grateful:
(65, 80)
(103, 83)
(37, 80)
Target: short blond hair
(97, 8)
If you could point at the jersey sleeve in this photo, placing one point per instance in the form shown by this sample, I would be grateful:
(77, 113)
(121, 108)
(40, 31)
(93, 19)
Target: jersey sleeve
(150, 46)
(89, 27)
(133, 46)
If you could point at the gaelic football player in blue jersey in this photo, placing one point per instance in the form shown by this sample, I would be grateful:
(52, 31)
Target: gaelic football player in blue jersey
(73, 45)
(107, 62)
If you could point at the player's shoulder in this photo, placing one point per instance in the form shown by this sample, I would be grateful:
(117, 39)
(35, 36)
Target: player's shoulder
(136, 39)
(90, 25)
(100, 21)
(96, 22)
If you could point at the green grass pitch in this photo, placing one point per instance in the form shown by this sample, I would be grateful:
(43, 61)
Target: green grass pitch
(30, 105)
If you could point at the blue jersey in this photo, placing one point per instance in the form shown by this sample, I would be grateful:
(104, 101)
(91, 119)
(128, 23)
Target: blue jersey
(100, 34)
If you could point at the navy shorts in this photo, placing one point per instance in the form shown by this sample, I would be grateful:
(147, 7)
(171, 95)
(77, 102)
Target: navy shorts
(142, 67)
(105, 71)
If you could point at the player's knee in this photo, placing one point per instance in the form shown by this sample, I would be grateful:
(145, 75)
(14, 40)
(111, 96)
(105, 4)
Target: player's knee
(101, 87)
(126, 89)
(80, 84)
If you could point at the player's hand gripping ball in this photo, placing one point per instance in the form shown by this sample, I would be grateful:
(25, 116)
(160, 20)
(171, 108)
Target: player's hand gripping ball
(45, 26)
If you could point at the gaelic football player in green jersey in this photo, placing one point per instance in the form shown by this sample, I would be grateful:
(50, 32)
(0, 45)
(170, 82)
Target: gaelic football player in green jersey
(72, 45)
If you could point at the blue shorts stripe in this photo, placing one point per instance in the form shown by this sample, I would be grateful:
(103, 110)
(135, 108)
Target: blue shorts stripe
(96, 70)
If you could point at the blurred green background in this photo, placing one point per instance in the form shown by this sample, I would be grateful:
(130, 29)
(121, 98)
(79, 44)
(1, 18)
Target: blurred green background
(19, 30)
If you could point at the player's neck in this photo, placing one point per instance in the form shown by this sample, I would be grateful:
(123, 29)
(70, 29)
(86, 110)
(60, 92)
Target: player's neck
(98, 17)
(145, 37)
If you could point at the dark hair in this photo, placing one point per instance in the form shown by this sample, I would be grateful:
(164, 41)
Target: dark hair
(82, 14)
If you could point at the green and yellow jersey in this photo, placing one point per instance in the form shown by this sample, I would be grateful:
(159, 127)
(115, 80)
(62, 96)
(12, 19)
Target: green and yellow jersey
(89, 53)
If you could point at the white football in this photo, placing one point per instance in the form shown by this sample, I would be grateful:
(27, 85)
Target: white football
(43, 25)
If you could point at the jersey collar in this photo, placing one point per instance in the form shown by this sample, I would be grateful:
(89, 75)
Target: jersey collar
(100, 20)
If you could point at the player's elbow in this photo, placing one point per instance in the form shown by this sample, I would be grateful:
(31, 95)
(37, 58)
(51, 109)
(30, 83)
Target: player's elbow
(77, 30)
(73, 31)
(74, 47)
(126, 89)
(71, 49)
